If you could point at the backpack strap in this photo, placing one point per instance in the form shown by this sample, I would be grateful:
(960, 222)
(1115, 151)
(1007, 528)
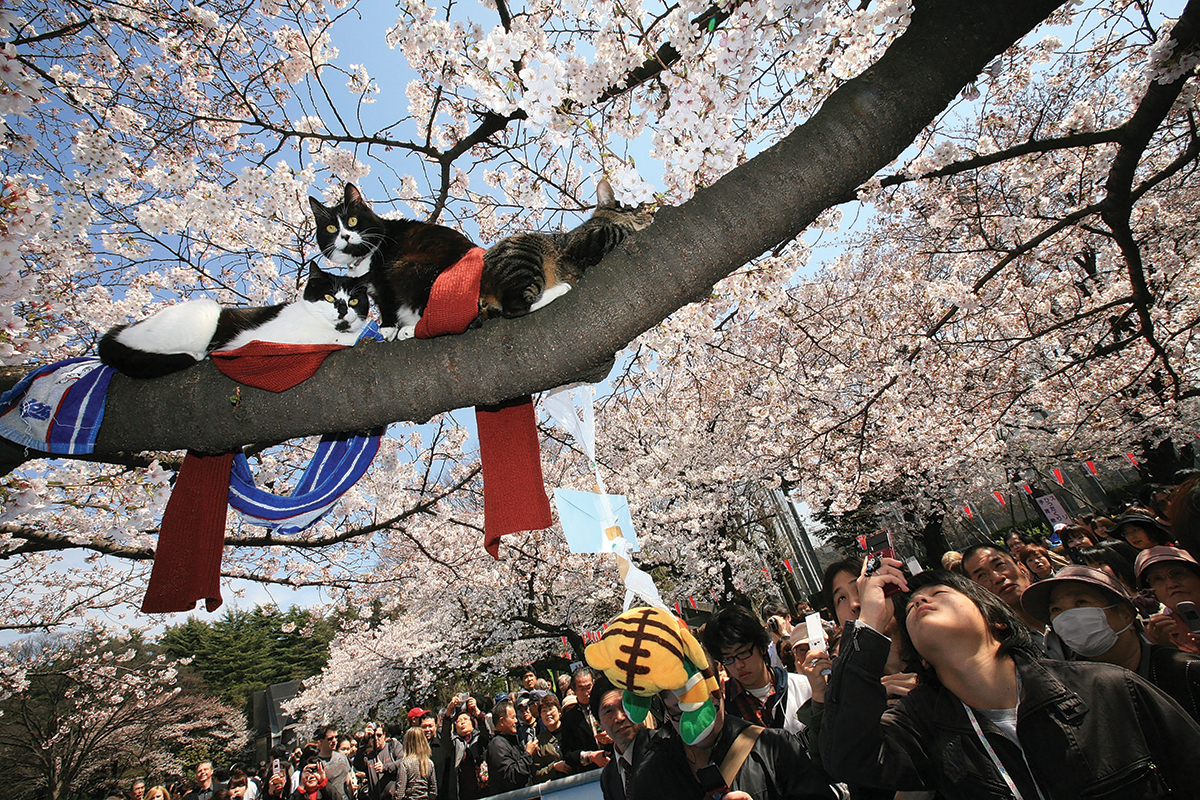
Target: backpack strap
(731, 765)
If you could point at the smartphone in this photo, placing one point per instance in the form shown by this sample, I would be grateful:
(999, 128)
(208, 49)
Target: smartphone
(816, 636)
(879, 546)
(1188, 612)
(712, 782)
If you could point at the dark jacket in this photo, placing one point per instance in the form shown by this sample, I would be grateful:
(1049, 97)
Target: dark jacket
(611, 785)
(460, 780)
(577, 736)
(441, 756)
(776, 769)
(1174, 672)
(1088, 730)
(379, 783)
(509, 766)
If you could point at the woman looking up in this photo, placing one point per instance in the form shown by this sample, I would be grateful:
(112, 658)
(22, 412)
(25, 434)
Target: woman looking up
(1086, 729)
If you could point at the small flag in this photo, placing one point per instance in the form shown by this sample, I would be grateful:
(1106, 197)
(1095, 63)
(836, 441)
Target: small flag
(787, 562)
(1028, 489)
(678, 611)
(862, 541)
(1091, 467)
(1129, 457)
(999, 498)
(692, 600)
(766, 572)
(567, 646)
(1058, 476)
(967, 511)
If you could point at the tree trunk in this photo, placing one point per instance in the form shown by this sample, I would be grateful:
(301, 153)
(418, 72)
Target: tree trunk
(768, 200)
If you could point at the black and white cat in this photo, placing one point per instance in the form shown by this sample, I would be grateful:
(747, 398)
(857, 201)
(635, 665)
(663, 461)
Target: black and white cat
(401, 257)
(521, 273)
(332, 310)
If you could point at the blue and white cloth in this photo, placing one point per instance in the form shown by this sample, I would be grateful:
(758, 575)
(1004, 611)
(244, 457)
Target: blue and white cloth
(57, 408)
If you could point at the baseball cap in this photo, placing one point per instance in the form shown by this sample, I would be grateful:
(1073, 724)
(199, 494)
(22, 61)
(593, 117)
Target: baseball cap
(1036, 599)
(1156, 555)
(415, 714)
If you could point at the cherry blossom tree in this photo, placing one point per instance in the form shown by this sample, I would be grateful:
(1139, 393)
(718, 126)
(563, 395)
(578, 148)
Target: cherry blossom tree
(75, 706)
(157, 153)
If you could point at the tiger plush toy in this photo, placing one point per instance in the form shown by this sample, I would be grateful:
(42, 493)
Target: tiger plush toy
(646, 650)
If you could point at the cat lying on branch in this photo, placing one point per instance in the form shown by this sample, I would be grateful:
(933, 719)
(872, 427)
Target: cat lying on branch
(332, 310)
(399, 260)
(521, 273)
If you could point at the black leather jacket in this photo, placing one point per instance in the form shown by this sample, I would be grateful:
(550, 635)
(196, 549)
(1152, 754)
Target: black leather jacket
(777, 768)
(1087, 730)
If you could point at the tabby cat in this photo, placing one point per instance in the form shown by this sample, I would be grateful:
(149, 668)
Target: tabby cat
(333, 310)
(521, 273)
(525, 271)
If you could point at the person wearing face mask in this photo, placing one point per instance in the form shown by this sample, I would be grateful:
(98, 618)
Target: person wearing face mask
(1094, 615)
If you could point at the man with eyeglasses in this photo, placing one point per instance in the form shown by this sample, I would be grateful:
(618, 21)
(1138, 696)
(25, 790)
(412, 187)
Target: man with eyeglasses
(337, 766)
(756, 691)
(380, 761)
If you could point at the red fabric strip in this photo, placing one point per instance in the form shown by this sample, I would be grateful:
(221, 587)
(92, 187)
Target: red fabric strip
(273, 366)
(514, 493)
(191, 539)
(187, 562)
(454, 302)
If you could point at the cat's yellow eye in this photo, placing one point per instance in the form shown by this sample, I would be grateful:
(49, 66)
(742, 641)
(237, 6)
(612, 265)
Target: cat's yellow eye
(328, 298)
(352, 222)
(353, 302)
(331, 228)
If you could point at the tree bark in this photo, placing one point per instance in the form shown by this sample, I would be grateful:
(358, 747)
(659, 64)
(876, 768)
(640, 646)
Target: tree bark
(770, 199)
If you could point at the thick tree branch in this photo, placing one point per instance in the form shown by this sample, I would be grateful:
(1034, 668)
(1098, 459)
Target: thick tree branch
(771, 198)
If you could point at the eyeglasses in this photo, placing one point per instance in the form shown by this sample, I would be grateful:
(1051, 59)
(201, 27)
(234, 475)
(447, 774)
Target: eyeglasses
(729, 661)
(1160, 577)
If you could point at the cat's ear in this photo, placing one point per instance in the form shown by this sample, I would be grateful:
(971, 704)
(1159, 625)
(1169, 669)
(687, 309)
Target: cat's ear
(604, 193)
(353, 196)
(318, 208)
(314, 272)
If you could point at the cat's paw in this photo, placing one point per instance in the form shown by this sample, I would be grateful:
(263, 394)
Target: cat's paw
(389, 333)
(407, 332)
(550, 295)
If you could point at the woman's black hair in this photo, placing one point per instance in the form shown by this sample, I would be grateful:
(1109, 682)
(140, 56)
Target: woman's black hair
(1002, 621)
(1120, 556)
(734, 627)
(853, 565)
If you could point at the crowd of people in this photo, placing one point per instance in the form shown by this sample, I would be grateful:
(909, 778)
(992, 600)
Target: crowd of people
(1058, 667)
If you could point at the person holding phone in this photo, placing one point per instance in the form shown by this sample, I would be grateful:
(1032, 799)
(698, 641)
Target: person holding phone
(991, 718)
(1094, 615)
(314, 785)
(1175, 578)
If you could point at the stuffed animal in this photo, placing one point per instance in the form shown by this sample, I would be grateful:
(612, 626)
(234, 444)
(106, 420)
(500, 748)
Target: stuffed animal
(648, 650)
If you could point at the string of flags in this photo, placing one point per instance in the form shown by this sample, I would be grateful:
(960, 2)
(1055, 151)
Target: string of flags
(1089, 465)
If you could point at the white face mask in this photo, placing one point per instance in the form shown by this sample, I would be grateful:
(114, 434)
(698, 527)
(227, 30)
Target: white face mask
(1086, 630)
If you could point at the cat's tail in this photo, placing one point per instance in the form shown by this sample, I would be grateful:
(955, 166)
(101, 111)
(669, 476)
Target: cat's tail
(173, 339)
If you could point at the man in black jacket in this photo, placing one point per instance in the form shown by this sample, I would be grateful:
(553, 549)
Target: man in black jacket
(579, 747)
(776, 768)
(509, 765)
(629, 738)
